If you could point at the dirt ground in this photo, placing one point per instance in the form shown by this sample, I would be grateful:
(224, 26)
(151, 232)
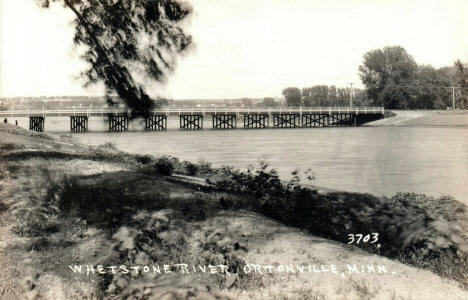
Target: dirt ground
(30, 271)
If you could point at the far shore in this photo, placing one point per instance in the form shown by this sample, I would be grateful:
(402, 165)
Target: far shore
(424, 118)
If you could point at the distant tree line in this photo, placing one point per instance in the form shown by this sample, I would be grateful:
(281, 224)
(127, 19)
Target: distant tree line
(394, 80)
(325, 95)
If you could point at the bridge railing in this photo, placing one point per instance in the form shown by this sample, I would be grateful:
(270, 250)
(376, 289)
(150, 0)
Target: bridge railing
(197, 110)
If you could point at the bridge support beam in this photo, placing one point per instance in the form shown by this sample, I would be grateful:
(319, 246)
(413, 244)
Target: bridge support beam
(286, 120)
(191, 122)
(156, 122)
(118, 123)
(256, 121)
(36, 123)
(79, 123)
(225, 121)
(314, 120)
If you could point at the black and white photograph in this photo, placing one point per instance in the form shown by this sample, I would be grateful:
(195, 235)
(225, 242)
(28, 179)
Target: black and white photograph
(234, 149)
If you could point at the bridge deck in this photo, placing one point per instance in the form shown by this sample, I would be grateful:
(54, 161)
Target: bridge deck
(184, 111)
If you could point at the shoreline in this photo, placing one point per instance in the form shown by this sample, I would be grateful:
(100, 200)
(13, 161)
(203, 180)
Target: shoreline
(259, 239)
(436, 118)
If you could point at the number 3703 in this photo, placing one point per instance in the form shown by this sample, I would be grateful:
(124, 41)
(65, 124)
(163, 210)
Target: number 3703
(359, 237)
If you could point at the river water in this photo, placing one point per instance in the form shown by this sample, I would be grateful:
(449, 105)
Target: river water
(378, 160)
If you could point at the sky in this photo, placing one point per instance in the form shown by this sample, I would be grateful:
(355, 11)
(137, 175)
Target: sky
(243, 48)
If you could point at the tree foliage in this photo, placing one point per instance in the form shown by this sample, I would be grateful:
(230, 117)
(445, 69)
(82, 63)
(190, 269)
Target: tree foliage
(394, 80)
(385, 72)
(292, 96)
(461, 74)
(268, 102)
(323, 96)
(129, 44)
(315, 96)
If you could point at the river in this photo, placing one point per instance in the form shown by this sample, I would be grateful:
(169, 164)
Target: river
(378, 160)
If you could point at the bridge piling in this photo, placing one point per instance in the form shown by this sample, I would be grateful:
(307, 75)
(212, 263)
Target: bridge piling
(37, 124)
(258, 120)
(224, 121)
(191, 122)
(118, 123)
(156, 122)
(289, 120)
(79, 123)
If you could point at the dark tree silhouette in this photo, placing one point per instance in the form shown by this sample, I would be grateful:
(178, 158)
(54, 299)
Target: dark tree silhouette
(128, 42)
(461, 72)
(292, 96)
(383, 71)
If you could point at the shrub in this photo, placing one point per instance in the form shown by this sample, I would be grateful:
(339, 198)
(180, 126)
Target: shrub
(409, 225)
(191, 169)
(163, 166)
(205, 167)
(144, 159)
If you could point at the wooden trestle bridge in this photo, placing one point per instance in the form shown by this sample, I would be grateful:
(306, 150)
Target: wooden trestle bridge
(221, 118)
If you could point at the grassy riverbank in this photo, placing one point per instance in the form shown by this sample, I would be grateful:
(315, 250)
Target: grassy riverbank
(65, 203)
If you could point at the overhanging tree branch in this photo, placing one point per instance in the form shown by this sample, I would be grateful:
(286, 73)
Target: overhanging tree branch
(91, 34)
(116, 34)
